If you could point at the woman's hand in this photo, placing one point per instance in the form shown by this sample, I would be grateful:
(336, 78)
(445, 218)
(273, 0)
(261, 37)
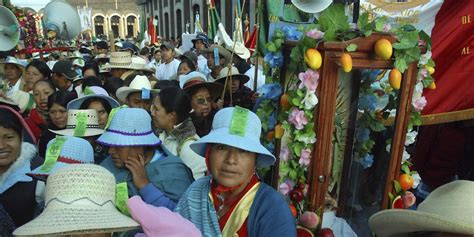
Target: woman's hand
(136, 165)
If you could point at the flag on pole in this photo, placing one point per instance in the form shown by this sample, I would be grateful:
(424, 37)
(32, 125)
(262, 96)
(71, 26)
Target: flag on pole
(251, 41)
(213, 20)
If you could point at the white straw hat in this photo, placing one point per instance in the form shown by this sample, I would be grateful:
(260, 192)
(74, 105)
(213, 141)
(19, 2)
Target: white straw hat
(137, 84)
(119, 60)
(448, 209)
(139, 64)
(91, 123)
(80, 199)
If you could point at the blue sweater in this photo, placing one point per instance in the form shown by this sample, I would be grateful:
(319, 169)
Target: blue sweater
(169, 178)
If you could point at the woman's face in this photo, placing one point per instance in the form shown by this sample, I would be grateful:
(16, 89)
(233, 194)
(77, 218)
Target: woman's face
(161, 119)
(89, 73)
(120, 154)
(231, 166)
(33, 75)
(10, 148)
(201, 102)
(101, 112)
(183, 69)
(41, 92)
(58, 115)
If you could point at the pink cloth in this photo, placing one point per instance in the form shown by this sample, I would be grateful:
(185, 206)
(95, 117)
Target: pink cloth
(160, 221)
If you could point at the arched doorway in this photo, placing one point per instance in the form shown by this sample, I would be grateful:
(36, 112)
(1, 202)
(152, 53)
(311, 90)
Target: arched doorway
(179, 22)
(115, 25)
(99, 26)
(130, 26)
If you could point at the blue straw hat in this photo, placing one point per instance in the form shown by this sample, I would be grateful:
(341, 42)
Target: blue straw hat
(74, 150)
(247, 136)
(129, 127)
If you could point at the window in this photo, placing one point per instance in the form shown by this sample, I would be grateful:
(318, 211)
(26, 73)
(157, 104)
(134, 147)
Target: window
(167, 26)
(130, 26)
(179, 22)
(114, 23)
(99, 26)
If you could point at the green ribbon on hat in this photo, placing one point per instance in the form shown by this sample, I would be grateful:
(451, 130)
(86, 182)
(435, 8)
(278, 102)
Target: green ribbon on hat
(81, 124)
(238, 123)
(52, 154)
(88, 91)
(112, 114)
(121, 197)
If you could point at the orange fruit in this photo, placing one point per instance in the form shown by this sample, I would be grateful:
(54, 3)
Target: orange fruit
(383, 49)
(293, 210)
(346, 62)
(406, 181)
(270, 135)
(279, 131)
(313, 58)
(285, 102)
(432, 86)
(395, 78)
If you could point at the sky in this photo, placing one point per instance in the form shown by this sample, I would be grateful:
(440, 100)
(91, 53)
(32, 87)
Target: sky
(35, 4)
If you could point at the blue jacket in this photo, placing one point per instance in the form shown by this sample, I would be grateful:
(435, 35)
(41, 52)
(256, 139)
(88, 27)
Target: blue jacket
(169, 178)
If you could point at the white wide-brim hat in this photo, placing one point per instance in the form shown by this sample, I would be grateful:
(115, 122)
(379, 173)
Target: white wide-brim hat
(80, 199)
(238, 48)
(448, 209)
(91, 119)
(311, 6)
(249, 141)
(119, 60)
(137, 85)
(97, 92)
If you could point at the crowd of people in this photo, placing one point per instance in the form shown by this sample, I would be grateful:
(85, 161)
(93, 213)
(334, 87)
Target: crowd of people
(97, 140)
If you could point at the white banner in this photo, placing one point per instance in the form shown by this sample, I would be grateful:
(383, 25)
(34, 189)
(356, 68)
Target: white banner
(85, 14)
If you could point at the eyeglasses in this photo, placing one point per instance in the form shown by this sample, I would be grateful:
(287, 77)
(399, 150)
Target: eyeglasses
(203, 101)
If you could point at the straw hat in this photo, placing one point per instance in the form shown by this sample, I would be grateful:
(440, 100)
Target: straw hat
(73, 151)
(449, 209)
(14, 61)
(95, 92)
(73, 119)
(223, 133)
(129, 127)
(80, 199)
(36, 55)
(221, 51)
(194, 80)
(137, 85)
(234, 72)
(119, 60)
(311, 6)
(139, 64)
(238, 48)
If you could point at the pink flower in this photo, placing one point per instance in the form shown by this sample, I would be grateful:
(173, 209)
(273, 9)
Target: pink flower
(309, 79)
(386, 28)
(284, 154)
(305, 157)
(297, 118)
(422, 74)
(315, 34)
(419, 104)
(286, 187)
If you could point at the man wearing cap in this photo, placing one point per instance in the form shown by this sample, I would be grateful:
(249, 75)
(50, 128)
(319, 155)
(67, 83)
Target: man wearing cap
(200, 43)
(232, 201)
(63, 76)
(169, 65)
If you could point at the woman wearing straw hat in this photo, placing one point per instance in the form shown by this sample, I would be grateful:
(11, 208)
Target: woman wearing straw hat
(170, 113)
(19, 194)
(232, 200)
(139, 163)
(80, 201)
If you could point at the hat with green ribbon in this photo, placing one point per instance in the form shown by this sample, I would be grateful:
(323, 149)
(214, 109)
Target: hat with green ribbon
(81, 123)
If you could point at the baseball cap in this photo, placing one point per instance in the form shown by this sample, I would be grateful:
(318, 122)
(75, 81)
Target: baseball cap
(167, 45)
(65, 68)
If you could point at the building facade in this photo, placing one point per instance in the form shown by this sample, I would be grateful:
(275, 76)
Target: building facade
(119, 17)
(175, 17)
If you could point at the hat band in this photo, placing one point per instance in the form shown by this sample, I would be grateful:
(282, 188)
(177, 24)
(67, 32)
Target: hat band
(87, 126)
(119, 64)
(128, 133)
(193, 82)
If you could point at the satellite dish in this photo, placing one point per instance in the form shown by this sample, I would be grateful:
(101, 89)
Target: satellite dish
(9, 29)
(61, 20)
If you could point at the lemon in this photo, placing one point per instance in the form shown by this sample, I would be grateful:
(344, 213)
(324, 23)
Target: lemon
(346, 62)
(313, 58)
(383, 49)
(395, 79)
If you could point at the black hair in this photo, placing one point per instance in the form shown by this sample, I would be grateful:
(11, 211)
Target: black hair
(88, 102)
(42, 68)
(190, 63)
(112, 84)
(91, 81)
(49, 82)
(60, 98)
(144, 51)
(11, 121)
(162, 84)
(91, 65)
(175, 99)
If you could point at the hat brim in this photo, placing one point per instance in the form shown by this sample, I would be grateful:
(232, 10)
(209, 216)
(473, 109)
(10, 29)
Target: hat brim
(242, 77)
(215, 89)
(396, 221)
(76, 103)
(123, 92)
(70, 132)
(222, 136)
(62, 219)
(117, 66)
(42, 175)
(118, 139)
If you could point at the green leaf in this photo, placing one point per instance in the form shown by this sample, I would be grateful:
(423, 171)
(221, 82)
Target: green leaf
(363, 22)
(431, 63)
(368, 33)
(397, 187)
(391, 197)
(351, 47)
(408, 27)
(379, 23)
(334, 18)
(271, 47)
(425, 37)
(406, 169)
(330, 35)
(427, 81)
(295, 101)
(400, 64)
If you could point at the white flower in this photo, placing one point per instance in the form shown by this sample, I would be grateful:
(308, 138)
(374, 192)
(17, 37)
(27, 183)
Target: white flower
(405, 155)
(387, 148)
(411, 137)
(416, 180)
(310, 100)
(306, 140)
(424, 58)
